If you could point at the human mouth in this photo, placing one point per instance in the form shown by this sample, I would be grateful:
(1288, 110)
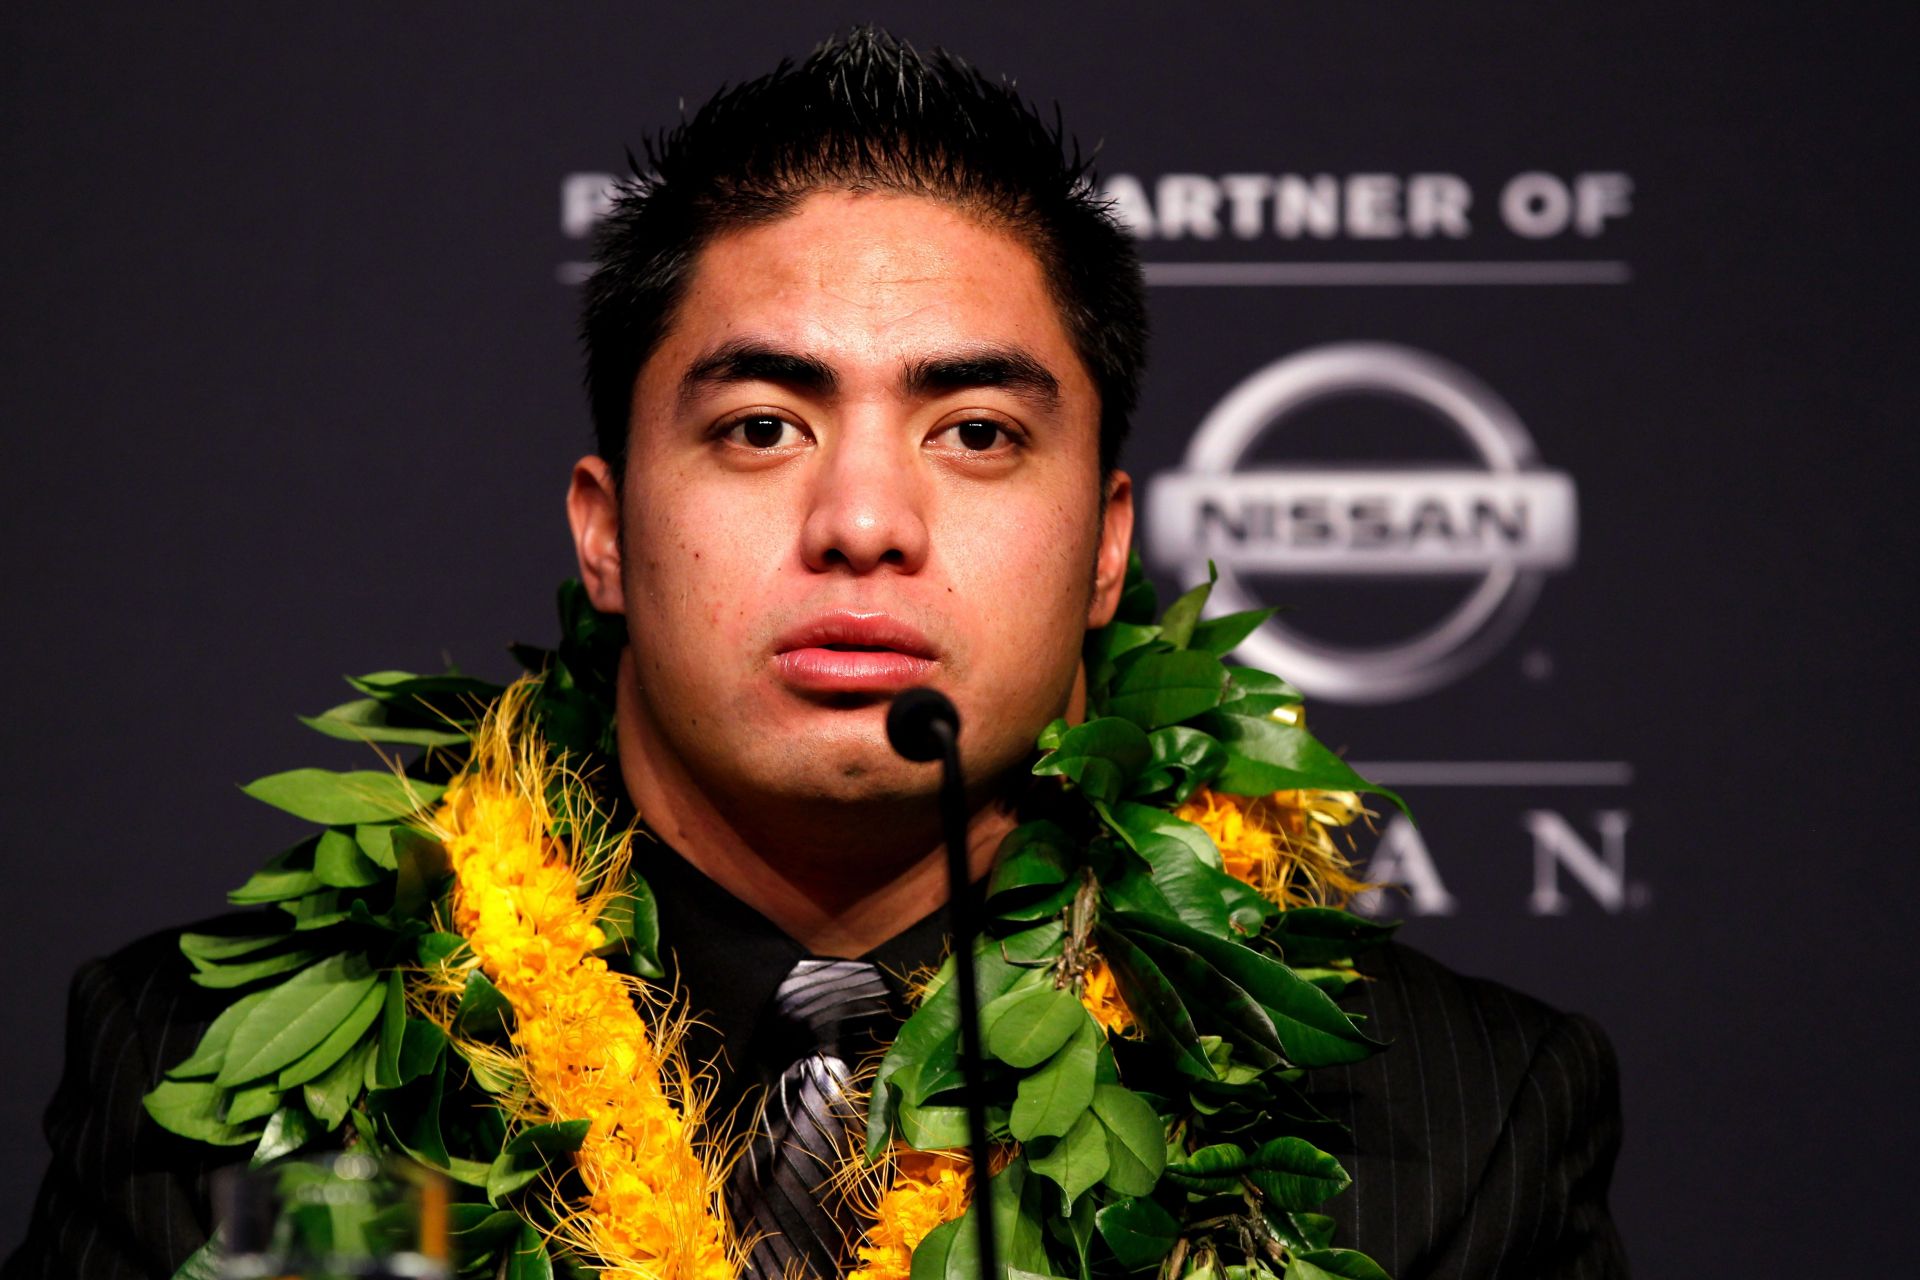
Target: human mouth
(853, 653)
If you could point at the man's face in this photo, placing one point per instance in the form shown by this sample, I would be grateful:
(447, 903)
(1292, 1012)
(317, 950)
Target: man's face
(865, 456)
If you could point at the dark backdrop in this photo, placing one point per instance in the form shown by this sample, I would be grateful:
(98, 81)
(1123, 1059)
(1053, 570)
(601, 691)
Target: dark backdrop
(290, 391)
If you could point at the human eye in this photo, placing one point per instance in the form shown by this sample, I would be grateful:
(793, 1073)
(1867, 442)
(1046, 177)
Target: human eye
(977, 435)
(761, 431)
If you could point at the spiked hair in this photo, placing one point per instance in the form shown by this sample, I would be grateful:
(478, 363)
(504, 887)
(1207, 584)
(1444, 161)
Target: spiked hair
(864, 112)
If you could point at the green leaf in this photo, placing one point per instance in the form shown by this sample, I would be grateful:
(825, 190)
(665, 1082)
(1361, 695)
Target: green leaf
(529, 1154)
(1016, 1210)
(255, 1102)
(333, 1092)
(1295, 1174)
(558, 1138)
(1109, 643)
(529, 1259)
(1165, 688)
(421, 1045)
(435, 948)
(1139, 1232)
(484, 1011)
(1193, 757)
(1154, 1001)
(212, 1049)
(1264, 755)
(423, 867)
(1313, 1030)
(275, 884)
(1025, 906)
(213, 948)
(1076, 1230)
(480, 1228)
(1334, 1264)
(1228, 1008)
(333, 799)
(1077, 1161)
(193, 1110)
(203, 1263)
(411, 1115)
(393, 1028)
(1214, 1169)
(930, 1255)
(632, 925)
(932, 1128)
(316, 910)
(288, 1129)
(1026, 1027)
(1185, 865)
(930, 1035)
(296, 1016)
(1100, 756)
(1138, 600)
(1222, 635)
(1048, 1102)
(1178, 622)
(1333, 980)
(338, 862)
(1035, 855)
(1319, 935)
(435, 700)
(1258, 693)
(376, 841)
(1300, 1232)
(1136, 1140)
(369, 720)
(1291, 1172)
(338, 1041)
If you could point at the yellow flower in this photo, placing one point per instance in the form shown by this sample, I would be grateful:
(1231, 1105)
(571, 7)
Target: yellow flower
(1101, 995)
(927, 1189)
(528, 905)
(1282, 844)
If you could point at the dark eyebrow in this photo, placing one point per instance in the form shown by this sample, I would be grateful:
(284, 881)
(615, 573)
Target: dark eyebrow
(1008, 368)
(747, 360)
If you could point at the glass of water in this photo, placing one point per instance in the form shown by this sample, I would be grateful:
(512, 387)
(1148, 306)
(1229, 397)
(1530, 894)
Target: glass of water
(347, 1215)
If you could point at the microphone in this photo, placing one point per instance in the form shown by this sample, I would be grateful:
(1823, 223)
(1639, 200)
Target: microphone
(923, 726)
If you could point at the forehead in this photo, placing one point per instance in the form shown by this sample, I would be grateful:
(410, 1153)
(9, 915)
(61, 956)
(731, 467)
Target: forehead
(866, 281)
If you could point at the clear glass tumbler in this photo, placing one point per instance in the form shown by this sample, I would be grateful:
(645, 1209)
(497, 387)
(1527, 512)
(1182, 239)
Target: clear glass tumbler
(347, 1215)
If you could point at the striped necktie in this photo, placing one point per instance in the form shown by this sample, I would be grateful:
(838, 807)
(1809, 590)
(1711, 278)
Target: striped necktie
(832, 1009)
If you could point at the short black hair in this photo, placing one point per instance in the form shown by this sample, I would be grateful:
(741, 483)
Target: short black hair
(865, 111)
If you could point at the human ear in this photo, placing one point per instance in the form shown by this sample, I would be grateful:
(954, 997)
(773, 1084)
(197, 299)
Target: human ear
(1110, 561)
(593, 509)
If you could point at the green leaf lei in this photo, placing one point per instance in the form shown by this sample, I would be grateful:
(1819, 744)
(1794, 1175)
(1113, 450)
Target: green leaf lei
(1186, 1149)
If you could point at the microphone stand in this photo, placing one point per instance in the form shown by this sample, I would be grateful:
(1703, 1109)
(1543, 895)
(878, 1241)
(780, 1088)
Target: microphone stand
(923, 725)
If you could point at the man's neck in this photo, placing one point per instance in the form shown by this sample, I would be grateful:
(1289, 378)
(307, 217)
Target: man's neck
(822, 877)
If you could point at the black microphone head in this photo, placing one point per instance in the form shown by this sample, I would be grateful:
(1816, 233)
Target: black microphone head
(916, 720)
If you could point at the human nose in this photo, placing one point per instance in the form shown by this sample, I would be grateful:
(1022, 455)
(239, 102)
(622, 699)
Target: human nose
(866, 507)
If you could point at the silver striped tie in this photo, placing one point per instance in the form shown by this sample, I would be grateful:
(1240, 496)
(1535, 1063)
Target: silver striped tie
(778, 1189)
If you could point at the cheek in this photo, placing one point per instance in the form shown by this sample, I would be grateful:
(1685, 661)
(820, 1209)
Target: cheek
(695, 563)
(1034, 562)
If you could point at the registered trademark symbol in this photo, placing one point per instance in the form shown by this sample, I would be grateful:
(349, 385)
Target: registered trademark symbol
(1537, 665)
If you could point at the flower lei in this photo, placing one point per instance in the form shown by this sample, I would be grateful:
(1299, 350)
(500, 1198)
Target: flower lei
(464, 978)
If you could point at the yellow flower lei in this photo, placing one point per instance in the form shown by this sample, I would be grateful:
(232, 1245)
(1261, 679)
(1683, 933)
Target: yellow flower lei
(581, 1049)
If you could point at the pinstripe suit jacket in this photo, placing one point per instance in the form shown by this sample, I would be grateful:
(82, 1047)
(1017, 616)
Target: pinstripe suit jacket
(1481, 1143)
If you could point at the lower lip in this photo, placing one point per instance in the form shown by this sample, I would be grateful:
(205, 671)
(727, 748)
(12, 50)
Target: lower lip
(844, 671)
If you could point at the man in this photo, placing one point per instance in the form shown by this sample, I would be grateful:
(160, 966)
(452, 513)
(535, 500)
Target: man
(861, 355)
